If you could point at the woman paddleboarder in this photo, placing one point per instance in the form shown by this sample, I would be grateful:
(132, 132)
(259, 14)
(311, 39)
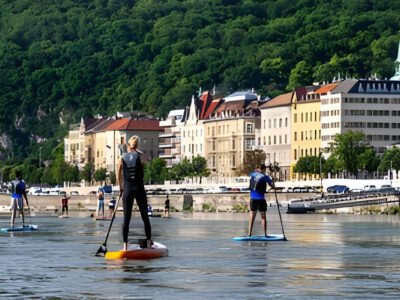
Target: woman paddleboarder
(130, 179)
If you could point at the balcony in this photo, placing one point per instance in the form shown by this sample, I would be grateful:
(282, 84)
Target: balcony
(166, 135)
(167, 123)
(165, 146)
(166, 156)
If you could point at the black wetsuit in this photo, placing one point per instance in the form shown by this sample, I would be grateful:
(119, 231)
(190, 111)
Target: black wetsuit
(134, 189)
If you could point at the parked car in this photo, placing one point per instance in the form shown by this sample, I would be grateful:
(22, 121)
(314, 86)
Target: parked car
(370, 187)
(74, 193)
(338, 189)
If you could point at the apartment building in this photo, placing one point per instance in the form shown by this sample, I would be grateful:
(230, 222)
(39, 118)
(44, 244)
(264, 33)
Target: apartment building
(370, 106)
(170, 138)
(274, 136)
(306, 126)
(74, 144)
(102, 140)
(230, 131)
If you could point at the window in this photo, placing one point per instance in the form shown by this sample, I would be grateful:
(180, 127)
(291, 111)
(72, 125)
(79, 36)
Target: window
(249, 143)
(233, 160)
(280, 123)
(265, 141)
(269, 140)
(280, 140)
(249, 128)
(233, 144)
(295, 136)
(274, 123)
(285, 138)
(274, 139)
(295, 154)
(295, 118)
(264, 122)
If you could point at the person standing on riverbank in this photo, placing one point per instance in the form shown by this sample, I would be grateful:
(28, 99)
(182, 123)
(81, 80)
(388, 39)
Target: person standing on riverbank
(100, 202)
(166, 208)
(258, 186)
(18, 194)
(64, 204)
(130, 178)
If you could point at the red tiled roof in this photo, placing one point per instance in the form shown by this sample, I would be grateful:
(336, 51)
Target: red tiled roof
(129, 124)
(326, 88)
(213, 106)
(206, 101)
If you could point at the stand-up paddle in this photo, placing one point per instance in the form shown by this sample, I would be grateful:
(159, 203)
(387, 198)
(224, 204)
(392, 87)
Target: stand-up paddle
(280, 217)
(103, 248)
(29, 211)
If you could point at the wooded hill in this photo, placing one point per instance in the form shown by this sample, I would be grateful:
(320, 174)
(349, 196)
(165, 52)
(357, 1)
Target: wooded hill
(61, 60)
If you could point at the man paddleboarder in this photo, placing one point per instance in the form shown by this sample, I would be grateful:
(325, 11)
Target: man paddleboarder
(130, 178)
(258, 186)
(18, 194)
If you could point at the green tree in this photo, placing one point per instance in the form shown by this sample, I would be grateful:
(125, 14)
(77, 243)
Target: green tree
(252, 161)
(155, 171)
(300, 75)
(390, 159)
(368, 160)
(308, 165)
(87, 173)
(100, 175)
(347, 148)
(199, 165)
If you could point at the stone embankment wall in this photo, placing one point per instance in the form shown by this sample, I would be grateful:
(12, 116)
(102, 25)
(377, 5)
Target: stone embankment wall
(219, 201)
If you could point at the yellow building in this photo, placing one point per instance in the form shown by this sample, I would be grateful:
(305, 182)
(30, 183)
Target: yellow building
(306, 126)
(100, 141)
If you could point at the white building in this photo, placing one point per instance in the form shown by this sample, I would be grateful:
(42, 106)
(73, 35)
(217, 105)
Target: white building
(274, 136)
(170, 139)
(370, 106)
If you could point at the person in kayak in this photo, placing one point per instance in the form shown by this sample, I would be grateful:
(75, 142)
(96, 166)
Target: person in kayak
(18, 194)
(258, 186)
(130, 178)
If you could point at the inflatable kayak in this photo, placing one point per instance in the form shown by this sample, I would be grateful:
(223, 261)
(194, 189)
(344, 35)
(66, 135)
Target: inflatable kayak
(21, 228)
(135, 252)
(269, 238)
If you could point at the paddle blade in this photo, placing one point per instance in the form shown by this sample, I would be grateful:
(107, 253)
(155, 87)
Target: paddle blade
(102, 250)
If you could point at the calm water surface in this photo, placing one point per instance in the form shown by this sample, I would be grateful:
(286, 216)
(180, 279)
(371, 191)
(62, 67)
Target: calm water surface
(327, 256)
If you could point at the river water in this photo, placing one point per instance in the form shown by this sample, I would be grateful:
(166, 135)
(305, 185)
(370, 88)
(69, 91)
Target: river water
(326, 256)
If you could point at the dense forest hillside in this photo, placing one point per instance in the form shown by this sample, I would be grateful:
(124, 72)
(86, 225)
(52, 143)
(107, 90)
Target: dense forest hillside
(60, 60)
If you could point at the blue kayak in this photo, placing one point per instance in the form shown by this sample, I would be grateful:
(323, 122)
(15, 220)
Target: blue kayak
(273, 237)
(21, 228)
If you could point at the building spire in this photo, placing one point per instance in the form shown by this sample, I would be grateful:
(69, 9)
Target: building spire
(397, 66)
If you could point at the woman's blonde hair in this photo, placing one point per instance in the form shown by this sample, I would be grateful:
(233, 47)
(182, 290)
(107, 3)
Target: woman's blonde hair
(134, 141)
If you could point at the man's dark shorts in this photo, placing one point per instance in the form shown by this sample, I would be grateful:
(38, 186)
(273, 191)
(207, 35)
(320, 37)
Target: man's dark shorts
(258, 204)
